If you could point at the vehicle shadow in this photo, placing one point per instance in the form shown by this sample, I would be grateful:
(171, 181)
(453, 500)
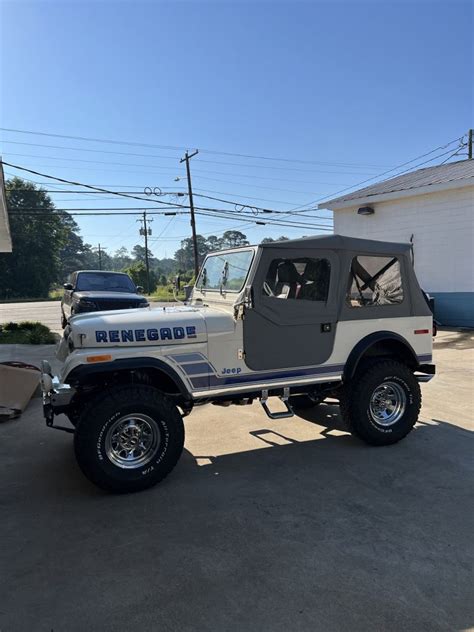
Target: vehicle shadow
(319, 534)
(459, 340)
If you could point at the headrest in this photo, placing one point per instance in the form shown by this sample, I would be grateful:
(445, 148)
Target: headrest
(316, 270)
(287, 273)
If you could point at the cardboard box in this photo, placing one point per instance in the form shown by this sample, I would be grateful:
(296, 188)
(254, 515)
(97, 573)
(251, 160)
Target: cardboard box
(18, 382)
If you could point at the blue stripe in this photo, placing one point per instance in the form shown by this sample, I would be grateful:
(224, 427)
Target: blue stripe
(258, 377)
(425, 358)
(197, 368)
(187, 357)
(200, 382)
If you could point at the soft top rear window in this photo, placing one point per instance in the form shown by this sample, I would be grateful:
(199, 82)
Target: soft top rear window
(375, 280)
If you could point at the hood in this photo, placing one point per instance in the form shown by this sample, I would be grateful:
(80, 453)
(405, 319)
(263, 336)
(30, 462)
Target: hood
(116, 296)
(138, 327)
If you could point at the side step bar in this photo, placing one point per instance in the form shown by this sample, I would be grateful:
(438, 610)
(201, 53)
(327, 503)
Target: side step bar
(284, 398)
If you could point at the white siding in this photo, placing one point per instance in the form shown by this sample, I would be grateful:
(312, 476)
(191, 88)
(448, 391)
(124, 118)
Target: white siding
(442, 224)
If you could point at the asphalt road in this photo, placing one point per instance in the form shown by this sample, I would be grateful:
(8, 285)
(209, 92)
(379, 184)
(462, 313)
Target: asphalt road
(263, 525)
(46, 312)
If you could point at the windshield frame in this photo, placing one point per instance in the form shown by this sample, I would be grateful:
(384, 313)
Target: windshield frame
(131, 290)
(224, 289)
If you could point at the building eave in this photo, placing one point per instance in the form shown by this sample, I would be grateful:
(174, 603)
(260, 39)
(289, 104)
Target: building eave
(394, 195)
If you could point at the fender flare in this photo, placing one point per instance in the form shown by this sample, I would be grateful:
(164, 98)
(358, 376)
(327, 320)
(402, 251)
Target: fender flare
(127, 364)
(364, 345)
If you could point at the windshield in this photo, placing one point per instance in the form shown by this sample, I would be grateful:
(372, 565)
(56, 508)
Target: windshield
(226, 271)
(97, 282)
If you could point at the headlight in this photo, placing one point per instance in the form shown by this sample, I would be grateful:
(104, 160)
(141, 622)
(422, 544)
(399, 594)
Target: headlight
(85, 304)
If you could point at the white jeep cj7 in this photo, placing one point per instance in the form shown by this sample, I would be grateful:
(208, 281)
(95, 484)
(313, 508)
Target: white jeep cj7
(301, 320)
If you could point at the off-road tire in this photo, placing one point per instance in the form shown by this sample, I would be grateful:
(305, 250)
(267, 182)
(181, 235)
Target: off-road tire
(74, 414)
(356, 397)
(97, 419)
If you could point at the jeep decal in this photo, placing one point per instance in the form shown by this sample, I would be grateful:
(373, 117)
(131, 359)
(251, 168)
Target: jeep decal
(142, 335)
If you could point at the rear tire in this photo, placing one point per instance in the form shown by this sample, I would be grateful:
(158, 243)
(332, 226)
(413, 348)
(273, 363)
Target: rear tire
(381, 403)
(128, 438)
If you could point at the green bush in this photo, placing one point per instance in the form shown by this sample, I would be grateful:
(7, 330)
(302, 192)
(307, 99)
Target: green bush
(26, 332)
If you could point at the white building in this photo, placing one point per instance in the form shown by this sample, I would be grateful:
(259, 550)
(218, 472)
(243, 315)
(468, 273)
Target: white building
(432, 208)
(5, 237)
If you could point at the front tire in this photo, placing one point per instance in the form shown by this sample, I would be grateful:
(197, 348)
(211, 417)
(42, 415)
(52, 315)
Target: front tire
(128, 438)
(382, 402)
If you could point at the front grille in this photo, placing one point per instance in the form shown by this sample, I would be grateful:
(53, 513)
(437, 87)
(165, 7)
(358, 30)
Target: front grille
(107, 304)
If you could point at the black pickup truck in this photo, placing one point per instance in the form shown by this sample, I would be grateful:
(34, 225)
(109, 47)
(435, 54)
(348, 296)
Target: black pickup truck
(98, 291)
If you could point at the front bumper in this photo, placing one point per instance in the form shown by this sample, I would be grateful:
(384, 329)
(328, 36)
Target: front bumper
(56, 395)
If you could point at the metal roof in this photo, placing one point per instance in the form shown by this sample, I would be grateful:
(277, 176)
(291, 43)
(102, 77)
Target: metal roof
(429, 176)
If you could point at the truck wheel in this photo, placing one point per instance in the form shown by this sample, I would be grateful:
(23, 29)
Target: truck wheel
(382, 402)
(128, 438)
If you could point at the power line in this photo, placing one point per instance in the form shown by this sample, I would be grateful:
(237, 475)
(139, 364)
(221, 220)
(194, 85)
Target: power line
(126, 195)
(209, 212)
(198, 172)
(212, 162)
(80, 184)
(150, 145)
(389, 171)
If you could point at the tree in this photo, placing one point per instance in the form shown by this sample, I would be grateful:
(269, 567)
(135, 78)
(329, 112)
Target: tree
(234, 239)
(137, 271)
(214, 243)
(74, 255)
(185, 255)
(39, 237)
(270, 240)
(121, 259)
(139, 253)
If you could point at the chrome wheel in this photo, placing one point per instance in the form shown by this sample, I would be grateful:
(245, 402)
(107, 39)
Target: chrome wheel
(132, 441)
(388, 403)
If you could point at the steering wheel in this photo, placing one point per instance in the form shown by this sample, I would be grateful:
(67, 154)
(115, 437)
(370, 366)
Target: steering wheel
(267, 289)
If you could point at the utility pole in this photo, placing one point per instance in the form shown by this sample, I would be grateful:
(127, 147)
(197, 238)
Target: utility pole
(99, 251)
(146, 231)
(186, 159)
(469, 144)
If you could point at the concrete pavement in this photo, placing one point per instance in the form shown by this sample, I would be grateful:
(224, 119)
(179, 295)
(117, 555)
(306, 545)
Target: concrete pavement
(263, 525)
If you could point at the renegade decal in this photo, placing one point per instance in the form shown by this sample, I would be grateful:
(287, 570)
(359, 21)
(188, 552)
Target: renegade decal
(142, 335)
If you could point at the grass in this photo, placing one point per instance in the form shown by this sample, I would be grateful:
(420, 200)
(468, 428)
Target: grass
(162, 293)
(26, 332)
(165, 293)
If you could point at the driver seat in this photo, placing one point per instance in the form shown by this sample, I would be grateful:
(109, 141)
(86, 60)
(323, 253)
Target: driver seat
(288, 280)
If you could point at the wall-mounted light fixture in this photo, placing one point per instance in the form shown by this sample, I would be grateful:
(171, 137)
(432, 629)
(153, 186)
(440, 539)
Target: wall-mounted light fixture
(365, 210)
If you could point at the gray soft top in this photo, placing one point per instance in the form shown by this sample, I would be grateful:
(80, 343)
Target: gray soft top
(340, 242)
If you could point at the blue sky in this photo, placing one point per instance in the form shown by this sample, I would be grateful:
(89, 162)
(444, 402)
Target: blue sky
(348, 89)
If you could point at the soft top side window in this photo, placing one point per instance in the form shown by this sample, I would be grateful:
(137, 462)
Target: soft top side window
(298, 279)
(375, 280)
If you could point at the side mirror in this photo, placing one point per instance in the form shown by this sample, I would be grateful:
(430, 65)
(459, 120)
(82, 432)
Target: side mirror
(140, 289)
(68, 286)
